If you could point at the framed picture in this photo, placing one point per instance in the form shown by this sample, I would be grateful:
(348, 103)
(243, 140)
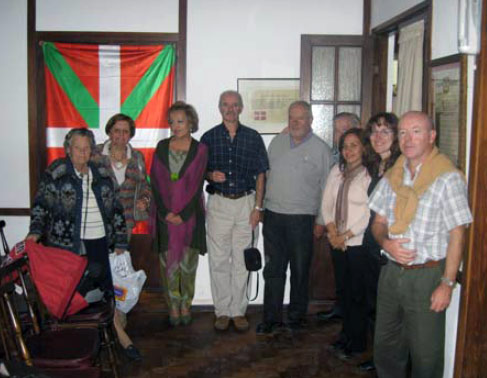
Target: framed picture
(266, 102)
(448, 106)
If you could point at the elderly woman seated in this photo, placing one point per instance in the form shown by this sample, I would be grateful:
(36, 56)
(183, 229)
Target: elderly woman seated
(75, 209)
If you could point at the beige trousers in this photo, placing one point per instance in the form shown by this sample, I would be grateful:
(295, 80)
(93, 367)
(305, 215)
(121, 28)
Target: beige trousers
(228, 234)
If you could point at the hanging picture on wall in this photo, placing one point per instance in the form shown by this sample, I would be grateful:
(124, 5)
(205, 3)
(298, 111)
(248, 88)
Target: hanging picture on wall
(266, 102)
(447, 106)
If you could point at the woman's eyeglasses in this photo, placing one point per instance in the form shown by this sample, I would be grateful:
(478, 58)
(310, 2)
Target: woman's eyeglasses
(382, 132)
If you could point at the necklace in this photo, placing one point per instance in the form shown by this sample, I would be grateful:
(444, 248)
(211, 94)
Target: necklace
(118, 164)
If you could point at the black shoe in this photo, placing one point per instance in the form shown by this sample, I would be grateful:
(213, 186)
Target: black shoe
(366, 366)
(297, 324)
(345, 354)
(263, 328)
(338, 345)
(329, 315)
(267, 328)
(133, 353)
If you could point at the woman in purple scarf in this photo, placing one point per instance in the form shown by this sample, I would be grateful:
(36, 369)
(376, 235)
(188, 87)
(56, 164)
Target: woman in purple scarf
(177, 220)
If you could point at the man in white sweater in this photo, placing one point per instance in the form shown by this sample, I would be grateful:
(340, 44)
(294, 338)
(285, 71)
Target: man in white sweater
(299, 165)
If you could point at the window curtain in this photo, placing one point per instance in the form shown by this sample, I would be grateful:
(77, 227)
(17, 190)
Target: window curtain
(410, 68)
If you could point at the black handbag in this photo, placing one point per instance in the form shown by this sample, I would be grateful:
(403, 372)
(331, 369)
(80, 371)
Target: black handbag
(253, 263)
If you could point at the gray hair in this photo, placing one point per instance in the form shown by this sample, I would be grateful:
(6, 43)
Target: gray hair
(231, 92)
(305, 105)
(82, 132)
(353, 119)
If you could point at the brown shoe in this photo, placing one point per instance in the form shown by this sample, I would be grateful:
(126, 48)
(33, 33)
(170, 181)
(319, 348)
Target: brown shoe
(241, 324)
(222, 323)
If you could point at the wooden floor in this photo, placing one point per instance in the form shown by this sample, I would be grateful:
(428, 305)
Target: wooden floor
(200, 352)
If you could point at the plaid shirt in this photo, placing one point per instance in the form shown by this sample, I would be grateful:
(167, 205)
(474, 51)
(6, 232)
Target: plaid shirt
(241, 159)
(441, 208)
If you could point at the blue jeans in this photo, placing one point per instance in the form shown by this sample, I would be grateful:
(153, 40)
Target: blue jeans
(288, 239)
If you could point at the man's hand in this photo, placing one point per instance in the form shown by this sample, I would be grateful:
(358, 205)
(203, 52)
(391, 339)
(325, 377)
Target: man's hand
(119, 251)
(395, 249)
(217, 176)
(318, 231)
(441, 297)
(254, 218)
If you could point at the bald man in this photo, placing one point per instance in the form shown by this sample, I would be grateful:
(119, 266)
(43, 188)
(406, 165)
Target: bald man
(421, 210)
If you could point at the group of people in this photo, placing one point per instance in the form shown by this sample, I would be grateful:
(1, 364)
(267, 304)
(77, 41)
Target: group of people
(390, 204)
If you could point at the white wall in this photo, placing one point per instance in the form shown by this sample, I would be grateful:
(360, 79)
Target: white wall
(227, 39)
(150, 16)
(384, 10)
(252, 39)
(445, 27)
(14, 147)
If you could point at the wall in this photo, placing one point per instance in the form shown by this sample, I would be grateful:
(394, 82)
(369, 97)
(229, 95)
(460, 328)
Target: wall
(384, 10)
(252, 39)
(14, 191)
(226, 40)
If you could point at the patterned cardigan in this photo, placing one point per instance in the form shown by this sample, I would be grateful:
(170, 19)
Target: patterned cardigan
(135, 186)
(56, 212)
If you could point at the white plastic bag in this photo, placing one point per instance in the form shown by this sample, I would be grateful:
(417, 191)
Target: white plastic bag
(127, 283)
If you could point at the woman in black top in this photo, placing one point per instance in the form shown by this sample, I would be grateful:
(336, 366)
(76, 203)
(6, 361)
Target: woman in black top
(382, 147)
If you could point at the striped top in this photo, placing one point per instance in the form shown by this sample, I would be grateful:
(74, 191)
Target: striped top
(91, 220)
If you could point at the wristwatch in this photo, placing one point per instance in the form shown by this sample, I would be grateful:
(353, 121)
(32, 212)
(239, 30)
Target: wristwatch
(448, 282)
(259, 208)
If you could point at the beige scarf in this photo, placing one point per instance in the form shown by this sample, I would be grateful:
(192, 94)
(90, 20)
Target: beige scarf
(341, 211)
(435, 165)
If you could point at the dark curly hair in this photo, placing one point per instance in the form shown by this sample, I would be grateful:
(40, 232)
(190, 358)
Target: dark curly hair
(189, 111)
(120, 117)
(391, 121)
(359, 133)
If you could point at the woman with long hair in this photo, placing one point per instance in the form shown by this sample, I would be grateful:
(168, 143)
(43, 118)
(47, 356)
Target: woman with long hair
(346, 216)
(382, 146)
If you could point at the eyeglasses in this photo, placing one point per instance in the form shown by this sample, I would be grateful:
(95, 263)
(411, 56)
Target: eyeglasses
(383, 132)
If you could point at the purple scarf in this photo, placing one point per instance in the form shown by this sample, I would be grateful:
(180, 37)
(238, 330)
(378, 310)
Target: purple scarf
(176, 195)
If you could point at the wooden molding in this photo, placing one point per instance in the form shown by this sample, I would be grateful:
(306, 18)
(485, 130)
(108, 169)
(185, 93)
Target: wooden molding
(11, 211)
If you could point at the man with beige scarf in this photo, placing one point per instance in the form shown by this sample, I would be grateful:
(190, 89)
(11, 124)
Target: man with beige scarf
(422, 212)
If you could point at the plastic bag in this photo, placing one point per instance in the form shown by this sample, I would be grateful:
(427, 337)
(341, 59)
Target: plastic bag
(127, 283)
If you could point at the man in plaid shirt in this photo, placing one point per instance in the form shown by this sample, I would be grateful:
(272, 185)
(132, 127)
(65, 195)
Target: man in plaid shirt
(237, 162)
(422, 211)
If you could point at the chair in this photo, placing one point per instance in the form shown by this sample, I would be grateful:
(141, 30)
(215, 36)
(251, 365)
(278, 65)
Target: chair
(60, 353)
(98, 315)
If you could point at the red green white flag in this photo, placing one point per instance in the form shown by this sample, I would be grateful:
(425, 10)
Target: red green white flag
(86, 84)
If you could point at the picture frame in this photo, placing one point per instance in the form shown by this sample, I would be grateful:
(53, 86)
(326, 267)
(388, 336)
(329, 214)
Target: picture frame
(266, 102)
(448, 106)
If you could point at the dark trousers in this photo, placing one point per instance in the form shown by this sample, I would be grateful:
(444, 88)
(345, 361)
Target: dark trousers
(288, 239)
(355, 310)
(406, 328)
(339, 266)
(98, 268)
(373, 264)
